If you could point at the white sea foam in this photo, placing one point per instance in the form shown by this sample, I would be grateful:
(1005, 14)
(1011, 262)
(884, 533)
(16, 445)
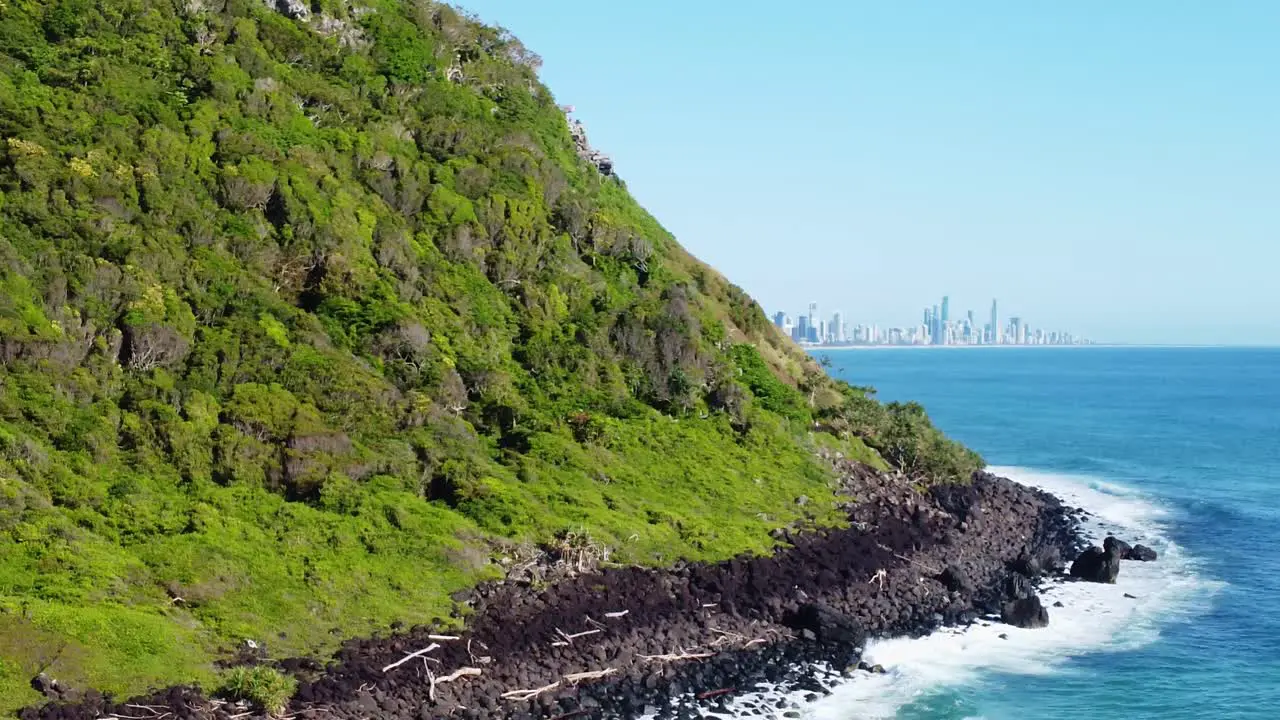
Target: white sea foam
(1094, 617)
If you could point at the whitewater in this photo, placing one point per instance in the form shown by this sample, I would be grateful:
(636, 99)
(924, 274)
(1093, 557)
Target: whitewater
(1092, 618)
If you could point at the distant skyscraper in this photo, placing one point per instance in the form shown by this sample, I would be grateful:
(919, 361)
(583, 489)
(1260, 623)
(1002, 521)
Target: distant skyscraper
(837, 327)
(780, 319)
(813, 314)
(936, 330)
(995, 325)
(946, 308)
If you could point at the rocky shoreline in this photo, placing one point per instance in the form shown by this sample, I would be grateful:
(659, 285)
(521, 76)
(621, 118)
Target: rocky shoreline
(625, 642)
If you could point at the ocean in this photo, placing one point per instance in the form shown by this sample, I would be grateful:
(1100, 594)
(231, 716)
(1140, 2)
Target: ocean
(1177, 448)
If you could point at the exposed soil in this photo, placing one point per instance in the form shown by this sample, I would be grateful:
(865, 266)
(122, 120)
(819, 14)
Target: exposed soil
(909, 563)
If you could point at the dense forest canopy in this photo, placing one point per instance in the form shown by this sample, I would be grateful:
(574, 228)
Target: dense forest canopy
(311, 314)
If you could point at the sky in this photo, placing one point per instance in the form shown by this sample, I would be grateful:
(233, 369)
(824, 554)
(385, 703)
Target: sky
(1110, 169)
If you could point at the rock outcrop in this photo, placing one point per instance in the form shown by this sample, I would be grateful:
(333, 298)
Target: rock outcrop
(603, 163)
(1027, 612)
(1116, 546)
(1141, 553)
(1096, 565)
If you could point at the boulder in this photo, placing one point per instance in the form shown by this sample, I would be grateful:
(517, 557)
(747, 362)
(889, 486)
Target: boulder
(827, 625)
(1116, 545)
(1018, 586)
(1025, 613)
(1142, 553)
(1027, 564)
(53, 689)
(955, 579)
(1096, 565)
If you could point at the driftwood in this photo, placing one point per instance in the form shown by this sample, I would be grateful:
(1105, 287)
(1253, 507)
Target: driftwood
(714, 693)
(879, 577)
(575, 678)
(410, 656)
(482, 659)
(674, 657)
(522, 695)
(569, 678)
(459, 673)
(568, 639)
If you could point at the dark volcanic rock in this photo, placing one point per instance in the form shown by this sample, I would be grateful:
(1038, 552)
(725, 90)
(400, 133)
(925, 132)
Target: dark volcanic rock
(908, 563)
(827, 625)
(1042, 561)
(1096, 565)
(956, 579)
(1025, 613)
(1116, 546)
(51, 688)
(1141, 553)
(1018, 586)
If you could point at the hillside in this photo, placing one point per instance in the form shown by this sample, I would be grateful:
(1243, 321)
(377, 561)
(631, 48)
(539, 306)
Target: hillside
(312, 316)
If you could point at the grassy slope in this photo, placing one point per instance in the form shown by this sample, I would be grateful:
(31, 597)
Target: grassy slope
(295, 328)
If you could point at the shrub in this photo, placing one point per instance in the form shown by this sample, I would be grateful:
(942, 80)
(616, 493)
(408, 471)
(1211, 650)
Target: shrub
(264, 686)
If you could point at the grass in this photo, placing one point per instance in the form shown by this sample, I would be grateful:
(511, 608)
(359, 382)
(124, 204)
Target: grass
(132, 595)
(261, 685)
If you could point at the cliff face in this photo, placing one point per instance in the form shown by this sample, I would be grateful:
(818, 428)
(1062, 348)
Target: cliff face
(310, 312)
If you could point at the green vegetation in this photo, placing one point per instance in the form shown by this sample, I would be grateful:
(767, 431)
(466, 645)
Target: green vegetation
(262, 685)
(302, 319)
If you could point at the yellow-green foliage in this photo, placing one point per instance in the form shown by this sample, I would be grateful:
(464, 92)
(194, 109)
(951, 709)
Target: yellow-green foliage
(261, 685)
(293, 326)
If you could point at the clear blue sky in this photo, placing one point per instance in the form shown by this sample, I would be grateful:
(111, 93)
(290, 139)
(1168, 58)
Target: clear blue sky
(1111, 168)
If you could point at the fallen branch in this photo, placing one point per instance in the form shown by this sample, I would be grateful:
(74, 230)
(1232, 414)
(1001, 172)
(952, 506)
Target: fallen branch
(483, 659)
(568, 639)
(575, 678)
(459, 673)
(522, 695)
(932, 570)
(443, 638)
(879, 577)
(410, 656)
(618, 614)
(671, 657)
(714, 693)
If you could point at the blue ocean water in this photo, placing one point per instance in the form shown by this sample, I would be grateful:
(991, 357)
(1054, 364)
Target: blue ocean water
(1176, 447)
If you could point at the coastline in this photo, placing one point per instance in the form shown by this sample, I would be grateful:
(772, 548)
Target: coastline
(632, 642)
(842, 348)
(1093, 346)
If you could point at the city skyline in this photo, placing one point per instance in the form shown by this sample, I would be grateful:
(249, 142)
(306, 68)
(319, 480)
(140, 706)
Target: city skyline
(937, 328)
